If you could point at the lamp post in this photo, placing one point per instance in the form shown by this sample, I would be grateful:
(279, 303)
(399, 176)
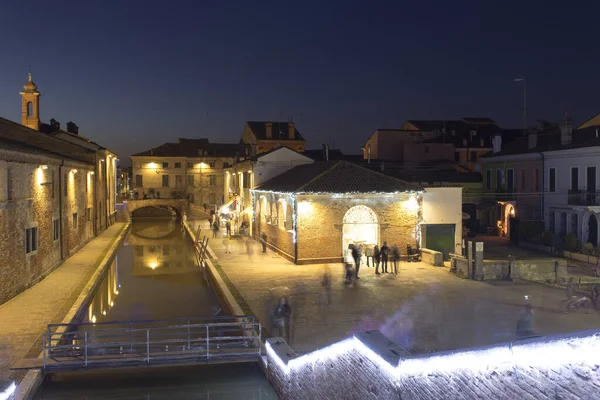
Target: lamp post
(522, 79)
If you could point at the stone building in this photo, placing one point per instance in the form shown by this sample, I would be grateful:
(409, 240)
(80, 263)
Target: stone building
(190, 168)
(263, 136)
(311, 213)
(48, 192)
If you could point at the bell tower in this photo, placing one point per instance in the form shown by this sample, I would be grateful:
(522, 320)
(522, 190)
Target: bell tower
(30, 105)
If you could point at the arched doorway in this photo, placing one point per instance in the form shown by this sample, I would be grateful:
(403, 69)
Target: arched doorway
(360, 227)
(593, 230)
(509, 216)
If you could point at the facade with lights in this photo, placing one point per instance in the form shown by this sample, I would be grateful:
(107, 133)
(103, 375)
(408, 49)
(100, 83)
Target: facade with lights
(313, 212)
(54, 185)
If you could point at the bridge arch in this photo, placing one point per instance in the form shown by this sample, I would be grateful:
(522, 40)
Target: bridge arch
(176, 205)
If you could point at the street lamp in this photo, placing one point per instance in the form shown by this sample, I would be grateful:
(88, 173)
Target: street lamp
(522, 79)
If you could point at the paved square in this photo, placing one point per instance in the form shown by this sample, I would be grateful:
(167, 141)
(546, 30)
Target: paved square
(423, 308)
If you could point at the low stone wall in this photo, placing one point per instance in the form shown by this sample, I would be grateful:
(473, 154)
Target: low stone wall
(581, 257)
(432, 257)
(459, 265)
(369, 366)
(541, 270)
(493, 270)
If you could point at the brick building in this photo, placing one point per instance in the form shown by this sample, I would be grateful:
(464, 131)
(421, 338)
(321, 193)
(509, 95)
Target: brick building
(48, 192)
(312, 212)
(263, 136)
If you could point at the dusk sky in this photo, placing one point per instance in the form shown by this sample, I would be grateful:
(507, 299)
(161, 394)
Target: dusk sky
(136, 74)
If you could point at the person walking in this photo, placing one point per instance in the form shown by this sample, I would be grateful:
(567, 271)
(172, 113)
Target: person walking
(215, 228)
(263, 241)
(525, 326)
(385, 250)
(282, 318)
(376, 258)
(348, 262)
(395, 258)
(356, 258)
(228, 228)
(326, 283)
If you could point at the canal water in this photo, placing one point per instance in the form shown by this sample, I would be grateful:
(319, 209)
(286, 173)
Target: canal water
(155, 277)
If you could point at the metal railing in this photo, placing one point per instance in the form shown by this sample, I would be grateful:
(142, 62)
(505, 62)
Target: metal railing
(584, 198)
(130, 343)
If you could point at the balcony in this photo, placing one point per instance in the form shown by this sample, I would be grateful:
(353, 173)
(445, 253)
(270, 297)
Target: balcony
(584, 198)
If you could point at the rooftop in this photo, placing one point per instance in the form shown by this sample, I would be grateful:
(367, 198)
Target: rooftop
(335, 177)
(279, 130)
(195, 148)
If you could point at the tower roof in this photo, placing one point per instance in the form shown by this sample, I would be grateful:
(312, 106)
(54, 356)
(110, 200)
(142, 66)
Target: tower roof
(30, 87)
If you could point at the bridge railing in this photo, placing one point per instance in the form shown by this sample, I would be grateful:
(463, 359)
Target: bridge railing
(114, 344)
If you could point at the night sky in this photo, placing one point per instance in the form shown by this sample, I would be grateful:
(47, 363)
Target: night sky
(135, 74)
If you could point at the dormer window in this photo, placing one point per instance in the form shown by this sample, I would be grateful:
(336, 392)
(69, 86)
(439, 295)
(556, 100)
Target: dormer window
(481, 142)
(464, 142)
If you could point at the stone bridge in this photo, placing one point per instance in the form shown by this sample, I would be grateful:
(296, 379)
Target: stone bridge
(177, 205)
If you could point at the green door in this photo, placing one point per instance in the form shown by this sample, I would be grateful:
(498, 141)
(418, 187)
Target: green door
(440, 237)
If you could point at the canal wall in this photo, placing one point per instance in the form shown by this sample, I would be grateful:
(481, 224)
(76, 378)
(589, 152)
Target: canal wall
(369, 366)
(33, 379)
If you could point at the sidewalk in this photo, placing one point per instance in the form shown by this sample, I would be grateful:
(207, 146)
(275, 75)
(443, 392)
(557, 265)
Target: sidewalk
(423, 307)
(24, 318)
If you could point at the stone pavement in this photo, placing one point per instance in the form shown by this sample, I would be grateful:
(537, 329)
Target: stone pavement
(423, 308)
(24, 318)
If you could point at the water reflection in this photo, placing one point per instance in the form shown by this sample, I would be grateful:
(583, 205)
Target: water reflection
(154, 276)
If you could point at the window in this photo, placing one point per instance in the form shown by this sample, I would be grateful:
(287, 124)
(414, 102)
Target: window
(574, 224)
(56, 226)
(166, 250)
(89, 214)
(552, 180)
(190, 180)
(498, 179)
(139, 181)
(9, 184)
(464, 142)
(190, 165)
(177, 165)
(563, 223)
(178, 181)
(537, 179)
(488, 178)
(510, 178)
(522, 179)
(31, 240)
(52, 188)
(211, 198)
(74, 220)
(591, 179)
(139, 251)
(29, 109)
(551, 222)
(212, 163)
(481, 142)
(66, 184)
(165, 181)
(246, 181)
(574, 178)
(165, 165)
(473, 156)
(212, 179)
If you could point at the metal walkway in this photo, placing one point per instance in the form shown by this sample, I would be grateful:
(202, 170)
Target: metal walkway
(130, 344)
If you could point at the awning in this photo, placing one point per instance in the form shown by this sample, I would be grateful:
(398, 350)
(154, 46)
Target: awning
(226, 205)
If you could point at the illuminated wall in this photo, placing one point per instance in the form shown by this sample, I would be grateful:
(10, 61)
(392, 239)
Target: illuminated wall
(368, 365)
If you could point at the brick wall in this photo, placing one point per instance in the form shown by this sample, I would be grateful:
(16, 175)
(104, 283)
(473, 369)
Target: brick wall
(320, 229)
(368, 366)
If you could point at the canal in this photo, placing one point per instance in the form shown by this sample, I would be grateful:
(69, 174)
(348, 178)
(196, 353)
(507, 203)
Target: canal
(155, 277)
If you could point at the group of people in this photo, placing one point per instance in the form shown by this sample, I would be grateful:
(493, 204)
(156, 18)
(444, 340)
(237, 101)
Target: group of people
(381, 256)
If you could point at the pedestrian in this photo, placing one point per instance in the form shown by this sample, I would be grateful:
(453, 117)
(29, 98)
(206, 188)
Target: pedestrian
(525, 326)
(395, 258)
(359, 249)
(215, 227)
(227, 245)
(376, 258)
(348, 262)
(249, 249)
(385, 250)
(356, 258)
(281, 318)
(263, 241)
(326, 283)
(228, 228)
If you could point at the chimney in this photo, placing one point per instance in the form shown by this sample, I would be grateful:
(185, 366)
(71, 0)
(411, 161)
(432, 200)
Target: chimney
(325, 152)
(55, 125)
(497, 143)
(532, 140)
(291, 131)
(72, 128)
(382, 166)
(566, 130)
(269, 129)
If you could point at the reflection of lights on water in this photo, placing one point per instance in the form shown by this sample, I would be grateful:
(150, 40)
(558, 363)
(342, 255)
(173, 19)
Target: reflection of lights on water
(94, 319)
